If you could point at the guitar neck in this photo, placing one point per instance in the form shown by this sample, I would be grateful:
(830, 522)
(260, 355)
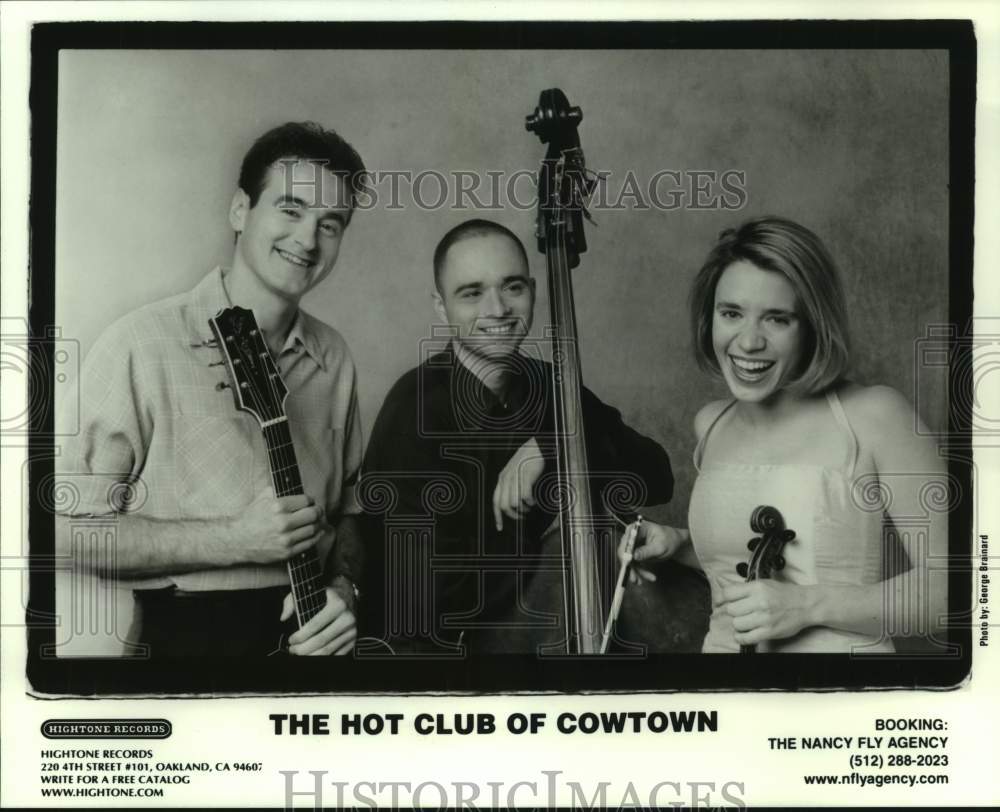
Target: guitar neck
(305, 570)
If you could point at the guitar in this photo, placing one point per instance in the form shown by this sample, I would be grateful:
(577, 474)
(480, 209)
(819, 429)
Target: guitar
(767, 550)
(258, 389)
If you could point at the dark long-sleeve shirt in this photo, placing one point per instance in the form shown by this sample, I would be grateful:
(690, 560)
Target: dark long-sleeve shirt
(436, 452)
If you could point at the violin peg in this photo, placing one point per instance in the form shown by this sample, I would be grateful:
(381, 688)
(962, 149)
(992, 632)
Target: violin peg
(752, 544)
(788, 535)
(779, 562)
(742, 569)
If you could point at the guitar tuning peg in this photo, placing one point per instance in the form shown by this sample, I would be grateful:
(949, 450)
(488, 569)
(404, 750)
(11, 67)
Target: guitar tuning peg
(741, 569)
(752, 544)
(208, 342)
(217, 364)
(222, 385)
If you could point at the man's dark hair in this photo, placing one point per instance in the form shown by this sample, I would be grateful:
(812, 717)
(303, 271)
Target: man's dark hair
(304, 140)
(463, 231)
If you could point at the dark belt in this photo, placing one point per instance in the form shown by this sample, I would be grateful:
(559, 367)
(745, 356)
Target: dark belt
(184, 623)
(170, 593)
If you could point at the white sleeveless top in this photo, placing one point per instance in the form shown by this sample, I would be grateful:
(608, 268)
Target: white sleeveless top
(838, 539)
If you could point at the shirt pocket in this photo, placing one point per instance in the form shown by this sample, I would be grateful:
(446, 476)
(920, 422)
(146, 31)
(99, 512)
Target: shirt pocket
(319, 450)
(218, 464)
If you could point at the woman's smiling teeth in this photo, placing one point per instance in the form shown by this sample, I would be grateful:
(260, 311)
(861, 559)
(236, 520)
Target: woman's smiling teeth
(750, 369)
(295, 260)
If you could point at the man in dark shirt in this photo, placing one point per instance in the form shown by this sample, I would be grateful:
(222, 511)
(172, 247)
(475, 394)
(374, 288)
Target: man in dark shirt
(459, 480)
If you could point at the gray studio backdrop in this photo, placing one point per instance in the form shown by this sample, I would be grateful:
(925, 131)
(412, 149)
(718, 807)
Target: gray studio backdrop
(853, 144)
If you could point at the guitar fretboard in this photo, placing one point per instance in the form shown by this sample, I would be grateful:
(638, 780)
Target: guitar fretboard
(304, 570)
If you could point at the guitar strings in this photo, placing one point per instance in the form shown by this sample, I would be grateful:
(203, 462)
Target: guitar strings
(310, 597)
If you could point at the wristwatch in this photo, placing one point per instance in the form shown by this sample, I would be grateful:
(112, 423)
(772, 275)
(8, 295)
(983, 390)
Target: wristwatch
(354, 587)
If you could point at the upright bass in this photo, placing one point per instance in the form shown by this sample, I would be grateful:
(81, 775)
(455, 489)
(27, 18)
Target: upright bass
(587, 537)
(562, 190)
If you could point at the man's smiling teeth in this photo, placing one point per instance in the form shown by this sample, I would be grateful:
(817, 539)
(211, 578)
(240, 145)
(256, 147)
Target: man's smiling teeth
(502, 329)
(302, 263)
(750, 366)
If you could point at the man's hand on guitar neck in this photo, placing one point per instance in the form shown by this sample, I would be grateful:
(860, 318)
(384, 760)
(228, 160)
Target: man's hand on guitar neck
(332, 631)
(274, 528)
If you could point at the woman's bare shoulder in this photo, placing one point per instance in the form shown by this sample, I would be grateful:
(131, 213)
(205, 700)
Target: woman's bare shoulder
(874, 405)
(884, 419)
(707, 415)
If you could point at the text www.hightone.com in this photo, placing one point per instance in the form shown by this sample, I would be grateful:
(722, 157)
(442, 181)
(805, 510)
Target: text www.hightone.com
(101, 792)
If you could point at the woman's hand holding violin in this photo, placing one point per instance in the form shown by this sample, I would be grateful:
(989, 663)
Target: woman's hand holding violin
(767, 609)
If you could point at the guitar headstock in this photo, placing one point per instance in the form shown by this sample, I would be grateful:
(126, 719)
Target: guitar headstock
(767, 549)
(257, 386)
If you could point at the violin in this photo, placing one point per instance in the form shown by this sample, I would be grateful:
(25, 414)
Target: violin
(767, 549)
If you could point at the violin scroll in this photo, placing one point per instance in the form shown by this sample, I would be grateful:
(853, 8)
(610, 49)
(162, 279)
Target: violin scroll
(766, 549)
(765, 518)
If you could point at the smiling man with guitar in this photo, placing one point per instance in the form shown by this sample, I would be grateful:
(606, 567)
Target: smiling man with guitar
(236, 529)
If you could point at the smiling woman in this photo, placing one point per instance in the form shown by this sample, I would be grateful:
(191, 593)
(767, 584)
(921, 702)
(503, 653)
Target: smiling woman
(756, 333)
(768, 314)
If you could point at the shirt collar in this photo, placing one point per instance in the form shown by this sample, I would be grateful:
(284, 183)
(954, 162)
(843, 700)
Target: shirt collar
(302, 334)
(472, 383)
(209, 297)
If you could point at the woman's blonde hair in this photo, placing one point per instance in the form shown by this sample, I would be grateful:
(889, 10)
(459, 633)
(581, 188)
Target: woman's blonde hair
(782, 246)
